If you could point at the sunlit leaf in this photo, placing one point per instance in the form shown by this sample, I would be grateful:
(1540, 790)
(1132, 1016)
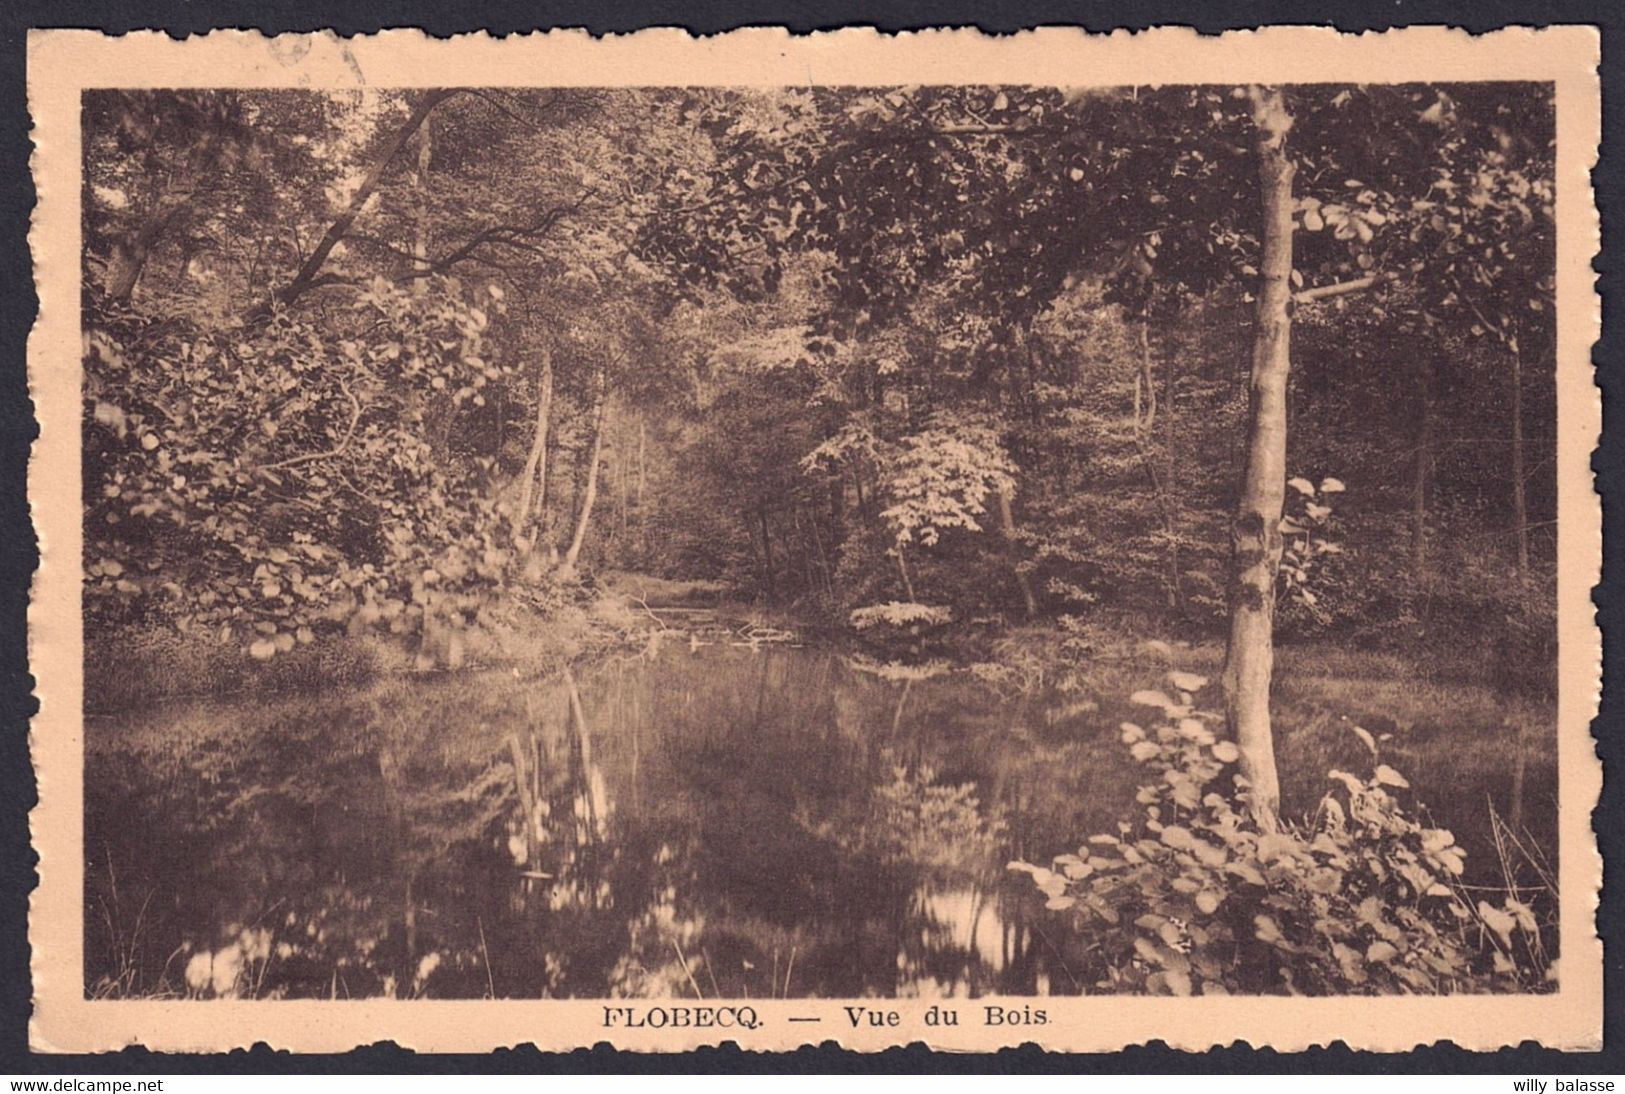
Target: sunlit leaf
(1387, 776)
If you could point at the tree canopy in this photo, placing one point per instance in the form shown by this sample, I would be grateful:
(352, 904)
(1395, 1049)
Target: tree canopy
(360, 359)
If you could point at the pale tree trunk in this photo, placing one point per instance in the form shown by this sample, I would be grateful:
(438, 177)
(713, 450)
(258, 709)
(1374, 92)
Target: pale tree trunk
(1145, 420)
(590, 492)
(902, 571)
(535, 483)
(1520, 505)
(1256, 533)
(622, 470)
(1170, 500)
(420, 234)
(643, 519)
(1007, 528)
(1420, 474)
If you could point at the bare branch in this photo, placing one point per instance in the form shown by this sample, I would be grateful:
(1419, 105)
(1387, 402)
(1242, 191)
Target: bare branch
(303, 280)
(337, 450)
(1342, 288)
(530, 123)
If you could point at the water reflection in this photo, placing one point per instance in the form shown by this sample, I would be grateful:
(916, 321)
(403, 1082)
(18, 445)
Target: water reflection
(710, 820)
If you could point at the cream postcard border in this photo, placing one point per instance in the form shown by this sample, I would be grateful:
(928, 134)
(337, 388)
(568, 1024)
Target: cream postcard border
(61, 63)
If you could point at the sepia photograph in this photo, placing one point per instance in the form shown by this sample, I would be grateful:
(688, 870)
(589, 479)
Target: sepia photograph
(720, 544)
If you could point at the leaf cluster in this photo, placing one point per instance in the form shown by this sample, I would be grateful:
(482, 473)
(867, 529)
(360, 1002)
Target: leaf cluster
(1193, 897)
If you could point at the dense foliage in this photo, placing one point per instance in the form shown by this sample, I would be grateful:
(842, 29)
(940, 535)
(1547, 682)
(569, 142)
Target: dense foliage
(338, 343)
(1193, 898)
(926, 362)
(260, 484)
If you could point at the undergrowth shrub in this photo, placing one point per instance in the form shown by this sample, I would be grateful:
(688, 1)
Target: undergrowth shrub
(1193, 897)
(900, 627)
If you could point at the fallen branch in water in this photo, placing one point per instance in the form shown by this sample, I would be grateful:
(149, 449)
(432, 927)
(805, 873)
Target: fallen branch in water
(650, 612)
(754, 632)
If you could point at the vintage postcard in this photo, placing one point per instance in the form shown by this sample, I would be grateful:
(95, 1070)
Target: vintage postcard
(1072, 539)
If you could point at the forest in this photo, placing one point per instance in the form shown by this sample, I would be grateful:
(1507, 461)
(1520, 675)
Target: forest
(997, 380)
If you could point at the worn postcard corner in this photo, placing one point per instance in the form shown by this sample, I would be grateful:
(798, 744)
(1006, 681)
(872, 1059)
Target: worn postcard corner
(1063, 539)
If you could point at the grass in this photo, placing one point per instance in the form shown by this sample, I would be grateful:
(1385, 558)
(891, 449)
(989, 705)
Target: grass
(130, 666)
(660, 592)
(1445, 726)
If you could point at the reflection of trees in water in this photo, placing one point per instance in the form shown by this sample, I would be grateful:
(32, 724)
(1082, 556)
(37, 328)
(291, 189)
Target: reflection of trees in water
(721, 822)
(714, 821)
(324, 821)
(748, 824)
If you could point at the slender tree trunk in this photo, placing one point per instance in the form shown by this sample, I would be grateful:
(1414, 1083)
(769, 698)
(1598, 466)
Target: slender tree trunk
(129, 257)
(902, 570)
(1420, 474)
(1170, 463)
(747, 518)
(544, 511)
(1520, 506)
(420, 233)
(767, 555)
(590, 492)
(643, 478)
(823, 557)
(809, 561)
(307, 278)
(623, 496)
(1145, 420)
(1007, 528)
(1519, 768)
(536, 462)
(1014, 402)
(1256, 535)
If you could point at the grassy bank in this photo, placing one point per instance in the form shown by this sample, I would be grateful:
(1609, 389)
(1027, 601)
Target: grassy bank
(134, 665)
(661, 592)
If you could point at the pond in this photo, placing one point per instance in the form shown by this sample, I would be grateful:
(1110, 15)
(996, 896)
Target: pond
(717, 820)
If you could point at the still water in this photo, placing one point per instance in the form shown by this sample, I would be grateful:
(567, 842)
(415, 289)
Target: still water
(715, 820)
